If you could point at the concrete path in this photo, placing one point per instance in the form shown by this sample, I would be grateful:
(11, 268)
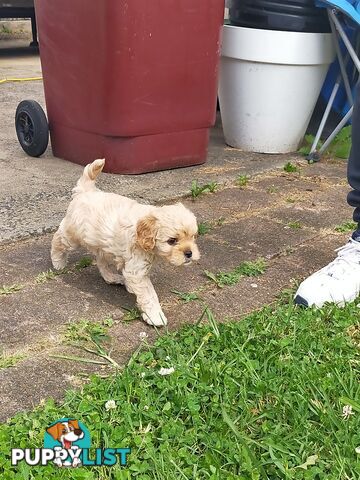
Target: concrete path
(288, 219)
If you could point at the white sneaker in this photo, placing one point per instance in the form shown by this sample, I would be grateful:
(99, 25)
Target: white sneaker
(338, 282)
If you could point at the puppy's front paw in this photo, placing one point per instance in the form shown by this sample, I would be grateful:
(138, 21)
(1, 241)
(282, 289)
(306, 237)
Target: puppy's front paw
(113, 279)
(59, 262)
(155, 317)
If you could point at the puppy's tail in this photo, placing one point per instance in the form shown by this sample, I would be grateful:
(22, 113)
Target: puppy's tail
(86, 182)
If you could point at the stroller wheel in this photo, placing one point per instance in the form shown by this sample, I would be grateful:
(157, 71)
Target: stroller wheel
(32, 128)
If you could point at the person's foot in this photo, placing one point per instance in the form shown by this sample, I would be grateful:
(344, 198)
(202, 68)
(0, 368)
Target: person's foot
(338, 282)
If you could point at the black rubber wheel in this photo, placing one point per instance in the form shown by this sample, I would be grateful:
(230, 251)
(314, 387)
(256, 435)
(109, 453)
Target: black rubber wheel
(32, 128)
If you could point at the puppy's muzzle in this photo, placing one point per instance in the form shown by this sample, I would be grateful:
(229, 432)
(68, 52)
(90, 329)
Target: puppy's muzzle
(188, 257)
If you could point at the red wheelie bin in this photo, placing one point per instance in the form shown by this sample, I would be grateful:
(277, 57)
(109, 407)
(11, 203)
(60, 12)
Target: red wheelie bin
(134, 81)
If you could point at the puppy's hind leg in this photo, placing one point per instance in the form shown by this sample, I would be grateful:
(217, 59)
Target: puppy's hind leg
(108, 271)
(60, 247)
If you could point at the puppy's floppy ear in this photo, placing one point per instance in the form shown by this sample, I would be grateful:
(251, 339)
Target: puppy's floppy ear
(55, 431)
(146, 231)
(74, 423)
(77, 429)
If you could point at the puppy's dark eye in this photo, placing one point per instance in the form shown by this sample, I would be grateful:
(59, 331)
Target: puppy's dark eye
(172, 241)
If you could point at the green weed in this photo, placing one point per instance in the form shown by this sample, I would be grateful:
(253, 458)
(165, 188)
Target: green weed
(295, 225)
(346, 227)
(92, 338)
(186, 297)
(340, 146)
(7, 361)
(51, 274)
(245, 269)
(48, 275)
(242, 180)
(9, 289)
(131, 314)
(197, 189)
(290, 167)
(204, 227)
(84, 262)
(85, 330)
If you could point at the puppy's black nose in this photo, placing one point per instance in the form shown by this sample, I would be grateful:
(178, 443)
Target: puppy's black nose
(188, 254)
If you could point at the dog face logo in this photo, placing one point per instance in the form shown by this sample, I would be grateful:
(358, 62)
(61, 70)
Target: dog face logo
(67, 443)
(66, 432)
(67, 437)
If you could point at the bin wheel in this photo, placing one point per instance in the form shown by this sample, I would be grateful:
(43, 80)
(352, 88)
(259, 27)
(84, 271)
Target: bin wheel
(32, 128)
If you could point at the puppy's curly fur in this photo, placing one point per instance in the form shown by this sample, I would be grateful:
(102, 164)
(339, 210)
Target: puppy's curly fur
(125, 237)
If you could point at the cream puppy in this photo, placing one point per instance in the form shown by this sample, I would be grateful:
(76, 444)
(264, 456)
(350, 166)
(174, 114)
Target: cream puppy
(125, 237)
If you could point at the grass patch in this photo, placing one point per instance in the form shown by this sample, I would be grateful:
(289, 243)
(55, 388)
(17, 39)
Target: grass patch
(48, 275)
(186, 297)
(290, 168)
(242, 180)
(245, 269)
(197, 189)
(346, 227)
(7, 361)
(84, 262)
(206, 227)
(295, 225)
(91, 337)
(258, 399)
(131, 314)
(10, 289)
(43, 277)
(86, 330)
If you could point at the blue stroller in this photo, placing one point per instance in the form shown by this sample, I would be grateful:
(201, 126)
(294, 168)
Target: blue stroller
(341, 13)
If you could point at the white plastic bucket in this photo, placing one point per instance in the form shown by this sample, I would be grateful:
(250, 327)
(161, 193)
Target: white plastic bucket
(269, 85)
